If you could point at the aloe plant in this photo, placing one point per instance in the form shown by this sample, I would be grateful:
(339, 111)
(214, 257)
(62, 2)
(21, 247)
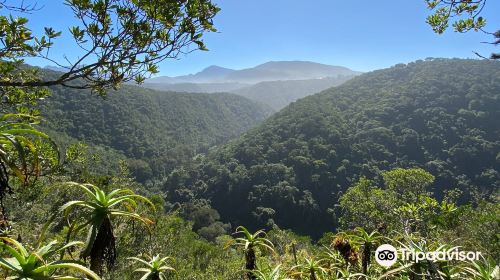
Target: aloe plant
(485, 270)
(250, 243)
(155, 268)
(310, 268)
(332, 259)
(368, 241)
(19, 155)
(40, 264)
(272, 274)
(343, 245)
(347, 274)
(98, 211)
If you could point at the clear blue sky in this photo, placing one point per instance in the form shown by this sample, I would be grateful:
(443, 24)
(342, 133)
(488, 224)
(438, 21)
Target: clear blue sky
(361, 34)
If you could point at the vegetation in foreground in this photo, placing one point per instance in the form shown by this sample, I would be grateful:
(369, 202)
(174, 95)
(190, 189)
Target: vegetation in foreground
(111, 232)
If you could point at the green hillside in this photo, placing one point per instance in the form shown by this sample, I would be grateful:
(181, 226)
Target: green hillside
(278, 94)
(158, 130)
(441, 115)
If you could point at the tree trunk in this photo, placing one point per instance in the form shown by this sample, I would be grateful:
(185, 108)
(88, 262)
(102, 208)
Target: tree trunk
(5, 189)
(367, 250)
(103, 253)
(294, 253)
(312, 276)
(250, 264)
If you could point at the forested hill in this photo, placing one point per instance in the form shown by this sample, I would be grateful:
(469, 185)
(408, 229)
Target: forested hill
(157, 129)
(441, 114)
(278, 94)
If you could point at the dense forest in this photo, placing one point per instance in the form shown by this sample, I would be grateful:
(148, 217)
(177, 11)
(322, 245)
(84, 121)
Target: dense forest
(407, 156)
(440, 115)
(156, 130)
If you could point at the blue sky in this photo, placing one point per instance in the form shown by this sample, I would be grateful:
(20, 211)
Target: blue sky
(363, 35)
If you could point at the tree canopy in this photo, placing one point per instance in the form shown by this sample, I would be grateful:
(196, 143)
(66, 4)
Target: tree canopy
(464, 15)
(440, 115)
(118, 40)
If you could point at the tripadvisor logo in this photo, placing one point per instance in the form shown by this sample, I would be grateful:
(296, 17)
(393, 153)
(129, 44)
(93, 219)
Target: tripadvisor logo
(386, 255)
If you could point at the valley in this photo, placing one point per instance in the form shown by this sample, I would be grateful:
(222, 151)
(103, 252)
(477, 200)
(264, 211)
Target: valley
(249, 140)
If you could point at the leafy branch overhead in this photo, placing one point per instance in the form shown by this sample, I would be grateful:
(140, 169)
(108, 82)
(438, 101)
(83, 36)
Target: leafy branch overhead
(119, 40)
(465, 16)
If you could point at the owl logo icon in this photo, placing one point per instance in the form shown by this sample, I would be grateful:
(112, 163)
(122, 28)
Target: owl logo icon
(386, 255)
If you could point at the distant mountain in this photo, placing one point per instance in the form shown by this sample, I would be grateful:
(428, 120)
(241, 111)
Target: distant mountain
(56, 68)
(275, 94)
(270, 71)
(214, 73)
(275, 84)
(288, 70)
(211, 74)
(278, 94)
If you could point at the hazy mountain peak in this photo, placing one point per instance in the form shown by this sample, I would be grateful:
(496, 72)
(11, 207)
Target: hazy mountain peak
(300, 65)
(215, 68)
(269, 71)
(289, 63)
(288, 70)
(213, 72)
(56, 68)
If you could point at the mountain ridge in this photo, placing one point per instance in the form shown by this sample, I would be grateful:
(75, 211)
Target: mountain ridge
(274, 83)
(268, 71)
(278, 94)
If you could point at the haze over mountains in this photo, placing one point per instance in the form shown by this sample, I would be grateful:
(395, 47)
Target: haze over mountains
(269, 71)
(275, 83)
(278, 94)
